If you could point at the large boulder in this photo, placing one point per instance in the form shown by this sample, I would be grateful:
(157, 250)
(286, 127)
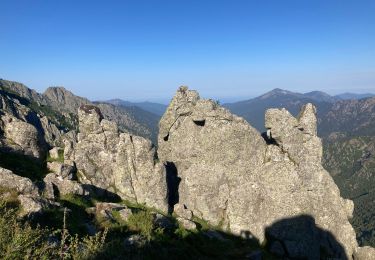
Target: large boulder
(56, 186)
(104, 211)
(21, 184)
(52, 134)
(117, 162)
(63, 170)
(69, 140)
(32, 206)
(22, 136)
(270, 187)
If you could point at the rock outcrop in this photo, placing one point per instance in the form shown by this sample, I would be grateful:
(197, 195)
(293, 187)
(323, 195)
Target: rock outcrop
(22, 185)
(105, 211)
(29, 195)
(18, 101)
(22, 136)
(52, 135)
(56, 185)
(227, 173)
(117, 162)
(365, 253)
(32, 206)
(198, 138)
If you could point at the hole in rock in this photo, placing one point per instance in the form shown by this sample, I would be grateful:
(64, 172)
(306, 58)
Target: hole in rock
(269, 140)
(199, 122)
(173, 181)
(166, 137)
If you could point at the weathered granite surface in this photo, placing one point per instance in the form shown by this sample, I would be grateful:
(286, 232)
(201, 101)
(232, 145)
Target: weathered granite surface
(118, 162)
(231, 175)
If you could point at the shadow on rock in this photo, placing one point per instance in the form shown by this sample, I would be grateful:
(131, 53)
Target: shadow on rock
(23, 165)
(100, 193)
(178, 244)
(173, 182)
(291, 238)
(299, 238)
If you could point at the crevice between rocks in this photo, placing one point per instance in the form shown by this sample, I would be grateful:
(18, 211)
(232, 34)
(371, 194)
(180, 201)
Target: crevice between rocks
(178, 117)
(173, 182)
(133, 167)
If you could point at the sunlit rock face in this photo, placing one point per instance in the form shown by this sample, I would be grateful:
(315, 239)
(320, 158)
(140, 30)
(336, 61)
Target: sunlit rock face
(226, 172)
(21, 136)
(117, 162)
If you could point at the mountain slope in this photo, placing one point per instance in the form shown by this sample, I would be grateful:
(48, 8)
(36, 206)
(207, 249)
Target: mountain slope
(39, 104)
(354, 117)
(345, 96)
(321, 96)
(349, 155)
(155, 108)
(61, 106)
(133, 120)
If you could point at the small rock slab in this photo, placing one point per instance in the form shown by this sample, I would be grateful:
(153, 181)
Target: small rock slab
(66, 171)
(187, 224)
(104, 209)
(54, 153)
(163, 221)
(182, 211)
(32, 206)
(134, 241)
(364, 253)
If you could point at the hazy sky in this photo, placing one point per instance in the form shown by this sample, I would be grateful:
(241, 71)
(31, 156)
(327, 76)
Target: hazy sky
(144, 50)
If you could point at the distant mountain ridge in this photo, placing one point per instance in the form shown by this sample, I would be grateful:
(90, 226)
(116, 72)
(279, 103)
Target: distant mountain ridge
(152, 107)
(253, 109)
(346, 96)
(321, 96)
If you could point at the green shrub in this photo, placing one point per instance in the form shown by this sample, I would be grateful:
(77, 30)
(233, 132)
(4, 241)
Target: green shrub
(142, 221)
(74, 247)
(77, 215)
(60, 158)
(20, 240)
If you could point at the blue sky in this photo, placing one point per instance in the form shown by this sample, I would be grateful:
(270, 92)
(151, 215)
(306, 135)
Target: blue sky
(144, 50)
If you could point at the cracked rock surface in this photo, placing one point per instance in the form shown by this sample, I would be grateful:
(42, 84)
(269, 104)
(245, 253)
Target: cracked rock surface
(117, 162)
(231, 175)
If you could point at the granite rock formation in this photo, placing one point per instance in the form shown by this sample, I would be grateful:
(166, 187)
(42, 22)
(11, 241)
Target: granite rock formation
(231, 175)
(22, 137)
(22, 185)
(117, 162)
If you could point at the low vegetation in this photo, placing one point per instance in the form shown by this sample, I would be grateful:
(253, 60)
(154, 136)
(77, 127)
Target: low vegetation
(60, 157)
(353, 174)
(21, 239)
(61, 234)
